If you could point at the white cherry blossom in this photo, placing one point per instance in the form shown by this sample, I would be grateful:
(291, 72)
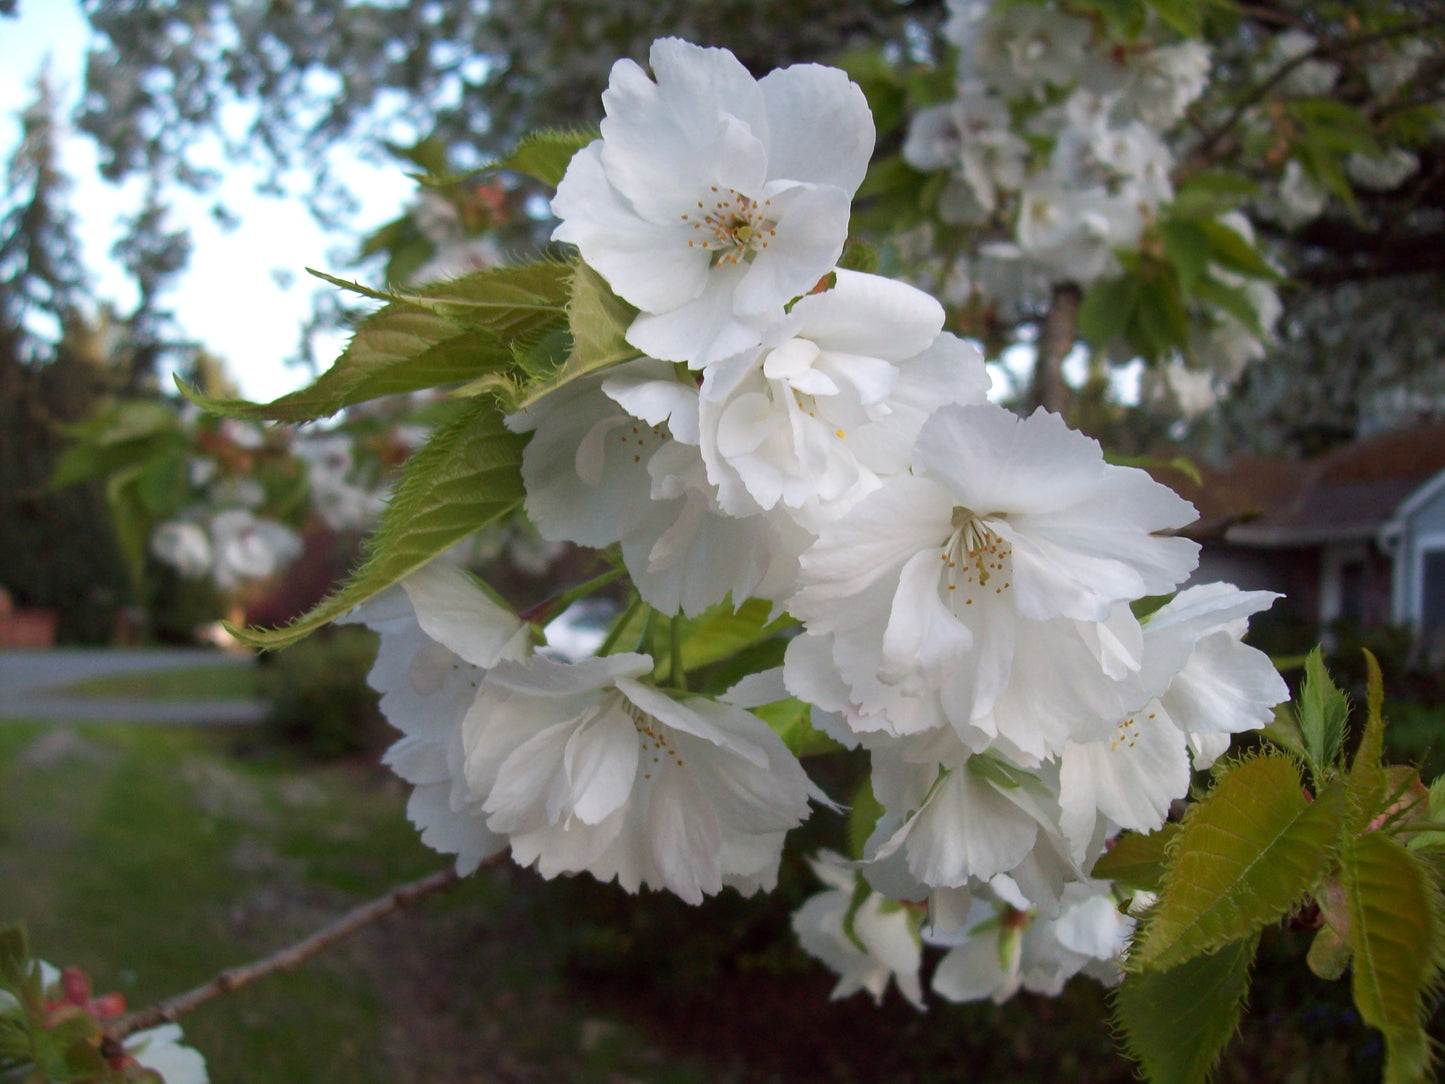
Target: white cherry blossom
(713, 199)
(924, 583)
(615, 458)
(439, 633)
(1198, 685)
(1007, 945)
(584, 767)
(834, 399)
(886, 931)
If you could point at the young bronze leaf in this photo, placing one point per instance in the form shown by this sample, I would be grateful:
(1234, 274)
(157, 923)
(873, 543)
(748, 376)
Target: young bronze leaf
(1247, 854)
(1394, 930)
(468, 475)
(1175, 1023)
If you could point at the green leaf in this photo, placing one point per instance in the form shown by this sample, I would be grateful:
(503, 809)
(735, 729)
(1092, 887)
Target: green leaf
(14, 957)
(1331, 124)
(1322, 710)
(1160, 324)
(721, 632)
(1231, 251)
(1209, 193)
(1175, 1023)
(859, 256)
(468, 475)
(1187, 247)
(792, 720)
(544, 155)
(1395, 933)
(998, 771)
(1210, 292)
(450, 332)
(1247, 854)
(862, 818)
(1137, 860)
(598, 320)
(1368, 782)
(1106, 309)
(1329, 954)
(1185, 17)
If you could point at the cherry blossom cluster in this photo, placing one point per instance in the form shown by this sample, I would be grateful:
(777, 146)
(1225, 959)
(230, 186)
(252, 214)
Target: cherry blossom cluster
(962, 579)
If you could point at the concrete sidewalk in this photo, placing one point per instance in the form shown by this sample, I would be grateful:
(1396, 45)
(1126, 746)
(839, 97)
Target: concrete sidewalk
(33, 684)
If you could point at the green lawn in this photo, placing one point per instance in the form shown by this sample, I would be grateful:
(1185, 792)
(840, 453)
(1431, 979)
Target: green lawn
(155, 857)
(219, 682)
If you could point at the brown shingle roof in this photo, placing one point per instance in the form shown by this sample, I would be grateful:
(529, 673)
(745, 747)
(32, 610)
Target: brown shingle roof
(1348, 493)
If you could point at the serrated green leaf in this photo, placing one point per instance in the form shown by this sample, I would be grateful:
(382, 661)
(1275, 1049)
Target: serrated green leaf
(1394, 930)
(544, 156)
(1105, 311)
(1137, 860)
(598, 320)
(792, 720)
(1247, 854)
(468, 475)
(451, 332)
(1368, 782)
(1322, 711)
(1175, 1023)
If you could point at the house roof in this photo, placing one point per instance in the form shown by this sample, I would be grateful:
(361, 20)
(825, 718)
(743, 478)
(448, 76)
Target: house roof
(1348, 494)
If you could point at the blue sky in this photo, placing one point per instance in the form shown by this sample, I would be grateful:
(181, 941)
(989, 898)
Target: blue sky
(229, 298)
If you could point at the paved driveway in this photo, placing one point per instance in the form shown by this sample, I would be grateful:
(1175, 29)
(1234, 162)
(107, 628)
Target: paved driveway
(32, 685)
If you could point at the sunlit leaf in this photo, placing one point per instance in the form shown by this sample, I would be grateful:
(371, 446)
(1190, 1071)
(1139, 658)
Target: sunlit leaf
(792, 720)
(1175, 1023)
(448, 333)
(1247, 854)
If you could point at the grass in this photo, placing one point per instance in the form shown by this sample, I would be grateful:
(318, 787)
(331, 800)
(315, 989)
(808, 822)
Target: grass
(220, 682)
(156, 856)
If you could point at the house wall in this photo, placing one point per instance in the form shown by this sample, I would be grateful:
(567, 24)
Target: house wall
(1423, 535)
(1293, 572)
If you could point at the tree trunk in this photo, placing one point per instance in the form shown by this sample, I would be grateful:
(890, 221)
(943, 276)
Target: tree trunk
(1056, 339)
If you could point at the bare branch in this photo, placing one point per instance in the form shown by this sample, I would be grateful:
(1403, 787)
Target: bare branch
(289, 958)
